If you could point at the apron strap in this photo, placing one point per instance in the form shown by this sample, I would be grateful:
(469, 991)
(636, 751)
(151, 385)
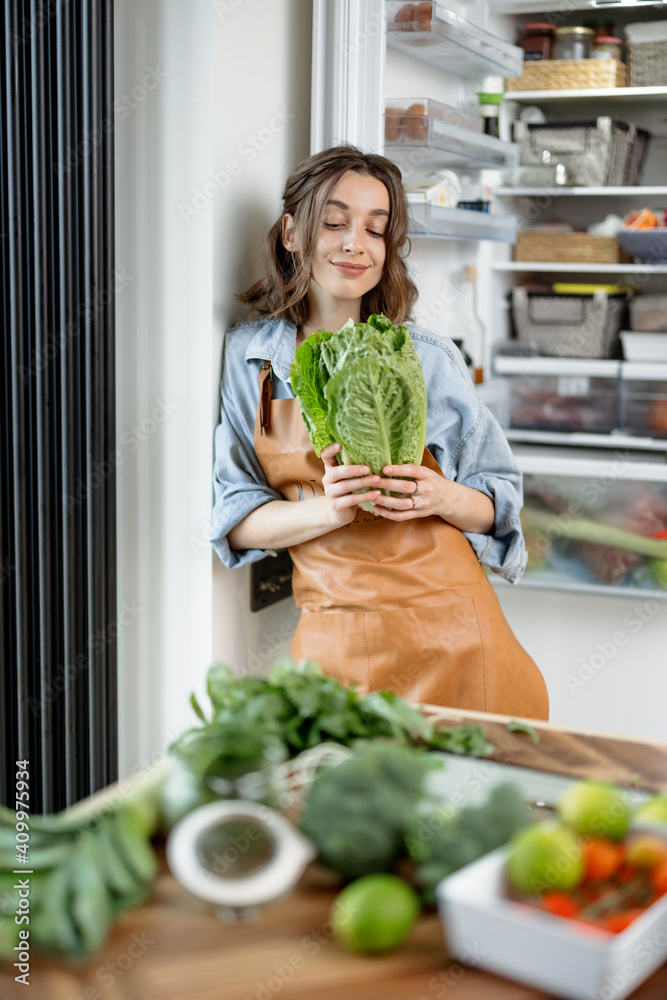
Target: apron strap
(265, 382)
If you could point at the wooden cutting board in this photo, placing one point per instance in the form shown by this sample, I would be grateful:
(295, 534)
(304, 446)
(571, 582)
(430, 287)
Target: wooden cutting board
(174, 948)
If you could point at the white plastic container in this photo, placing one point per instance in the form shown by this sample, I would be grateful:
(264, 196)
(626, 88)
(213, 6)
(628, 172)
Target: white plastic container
(644, 346)
(485, 929)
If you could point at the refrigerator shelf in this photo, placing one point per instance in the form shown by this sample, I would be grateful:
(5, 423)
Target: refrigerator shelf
(583, 192)
(555, 580)
(594, 101)
(580, 439)
(447, 41)
(443, 146)
(460, 223)
(564, 268)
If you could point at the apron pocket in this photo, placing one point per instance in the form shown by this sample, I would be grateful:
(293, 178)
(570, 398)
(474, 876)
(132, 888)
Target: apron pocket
(425, 653)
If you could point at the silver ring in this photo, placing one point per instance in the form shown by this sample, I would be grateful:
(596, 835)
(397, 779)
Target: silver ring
(416, 487)
(413, 500)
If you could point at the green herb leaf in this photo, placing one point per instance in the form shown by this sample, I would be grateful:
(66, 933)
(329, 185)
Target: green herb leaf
(523, 727)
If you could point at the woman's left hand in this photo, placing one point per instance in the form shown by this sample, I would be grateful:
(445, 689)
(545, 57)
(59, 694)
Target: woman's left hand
(425, 493)
(422, 490)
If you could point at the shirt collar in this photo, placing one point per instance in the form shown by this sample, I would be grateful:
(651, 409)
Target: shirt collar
(275, 341)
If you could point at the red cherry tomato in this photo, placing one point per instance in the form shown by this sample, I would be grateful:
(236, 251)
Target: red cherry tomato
(658, 878)
(617, 922)
(559, 903)
(602, 858)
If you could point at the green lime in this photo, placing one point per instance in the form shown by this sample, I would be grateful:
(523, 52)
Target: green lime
(544, 856)
(595, 808)
(375, 913)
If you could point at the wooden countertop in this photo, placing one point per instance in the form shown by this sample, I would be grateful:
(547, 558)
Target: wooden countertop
(174, 948)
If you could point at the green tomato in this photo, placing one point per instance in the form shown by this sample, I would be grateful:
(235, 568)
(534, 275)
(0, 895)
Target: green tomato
(544, 856)
(595, 809)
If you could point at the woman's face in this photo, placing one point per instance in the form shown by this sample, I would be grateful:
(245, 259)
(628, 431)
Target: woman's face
(350, 250)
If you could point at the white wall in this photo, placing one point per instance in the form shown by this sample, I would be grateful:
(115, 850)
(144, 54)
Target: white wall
(164, 333)
(603, 658)
(197, 85)
(261, 100)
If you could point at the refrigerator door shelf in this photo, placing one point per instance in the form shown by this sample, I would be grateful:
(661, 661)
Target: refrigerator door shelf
(447, 41)
(460, 223)
(443, 146)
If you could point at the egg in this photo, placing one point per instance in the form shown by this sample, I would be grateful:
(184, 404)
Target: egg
(393, 124)
(417, 123)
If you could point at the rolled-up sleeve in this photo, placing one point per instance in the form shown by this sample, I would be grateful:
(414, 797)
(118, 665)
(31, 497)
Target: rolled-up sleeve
(239, 484)
(486, 463)
(469, 445)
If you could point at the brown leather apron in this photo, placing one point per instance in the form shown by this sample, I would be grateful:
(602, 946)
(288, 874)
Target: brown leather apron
(404, 606)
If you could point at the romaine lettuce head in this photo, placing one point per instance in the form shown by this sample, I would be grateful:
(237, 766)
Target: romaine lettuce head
(363, 386)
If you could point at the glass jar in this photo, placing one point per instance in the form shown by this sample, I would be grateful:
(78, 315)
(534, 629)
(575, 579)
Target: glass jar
(607, 47)
(600, 26)
(537, 41)
(572, 43)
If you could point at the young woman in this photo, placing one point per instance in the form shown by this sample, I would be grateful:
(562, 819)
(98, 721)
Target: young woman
(397, 598)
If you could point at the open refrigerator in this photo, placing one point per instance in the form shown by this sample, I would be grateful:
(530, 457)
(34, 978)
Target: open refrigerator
(592, 447)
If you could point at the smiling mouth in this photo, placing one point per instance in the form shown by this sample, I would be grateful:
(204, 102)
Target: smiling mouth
(351, 269)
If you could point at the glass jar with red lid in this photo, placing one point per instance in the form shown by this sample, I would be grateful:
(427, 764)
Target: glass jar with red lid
(607, 47)
(537, 41)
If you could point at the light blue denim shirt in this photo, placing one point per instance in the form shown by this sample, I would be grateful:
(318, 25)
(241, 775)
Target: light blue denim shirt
(461, 434)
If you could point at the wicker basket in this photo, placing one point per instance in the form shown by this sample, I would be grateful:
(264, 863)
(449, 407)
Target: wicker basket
(569, 326)
(569, 74)
(647, 64)
(571, 248)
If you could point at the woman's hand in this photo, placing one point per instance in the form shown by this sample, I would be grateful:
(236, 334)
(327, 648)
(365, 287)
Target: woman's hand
(340, 482)
(426, 493)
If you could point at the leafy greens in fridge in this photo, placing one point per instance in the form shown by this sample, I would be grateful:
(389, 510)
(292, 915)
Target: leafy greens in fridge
(364, 387)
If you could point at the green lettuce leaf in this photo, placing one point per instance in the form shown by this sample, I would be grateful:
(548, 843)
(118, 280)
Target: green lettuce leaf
(363, 386)
(308, 379)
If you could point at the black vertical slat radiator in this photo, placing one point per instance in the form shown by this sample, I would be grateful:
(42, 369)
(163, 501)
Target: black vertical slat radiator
(57, 412)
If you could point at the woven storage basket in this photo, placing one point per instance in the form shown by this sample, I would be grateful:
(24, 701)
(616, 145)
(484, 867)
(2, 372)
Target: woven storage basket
(594, 152)
(573, 248)
(569, 326)
(569, 74)
(647, 64)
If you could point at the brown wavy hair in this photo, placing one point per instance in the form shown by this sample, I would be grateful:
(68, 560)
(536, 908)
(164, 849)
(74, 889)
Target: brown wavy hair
(283, 291)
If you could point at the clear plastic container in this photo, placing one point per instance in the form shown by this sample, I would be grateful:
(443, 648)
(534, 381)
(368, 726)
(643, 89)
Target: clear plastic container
(648, 313)
(561, 394)
(433, 34)
(423, 141)
(644, 399)
(572, 43)
(407, 119)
